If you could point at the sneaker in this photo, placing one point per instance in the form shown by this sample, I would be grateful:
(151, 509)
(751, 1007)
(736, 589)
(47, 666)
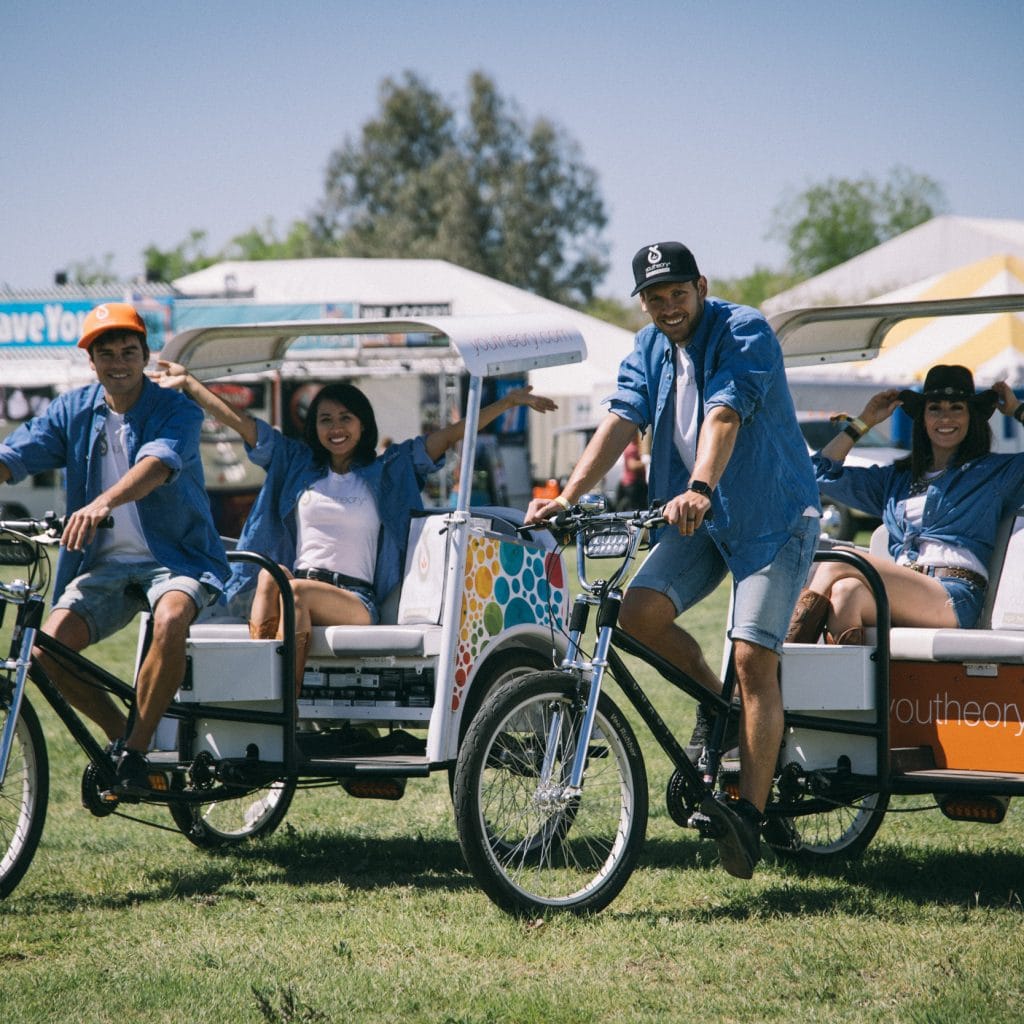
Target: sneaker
(737, 828)
(695, 748)
(133, 772)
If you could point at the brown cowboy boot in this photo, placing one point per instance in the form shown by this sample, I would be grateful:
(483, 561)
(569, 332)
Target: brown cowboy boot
(808, 618)
(265, 630)
(302, 643)
(853, 636)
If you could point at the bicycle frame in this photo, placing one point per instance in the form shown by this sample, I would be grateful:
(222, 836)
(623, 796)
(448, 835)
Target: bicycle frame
(28, 636)
(606, 596)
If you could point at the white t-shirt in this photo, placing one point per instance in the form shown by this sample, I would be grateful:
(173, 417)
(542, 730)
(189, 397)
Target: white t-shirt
(338, 525)
(125, 541)
(687, 402)
(932, 552)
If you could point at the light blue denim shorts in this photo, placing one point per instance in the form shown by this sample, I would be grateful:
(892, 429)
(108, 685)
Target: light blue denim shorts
(688, 569)
(108, 597)
(967, 599)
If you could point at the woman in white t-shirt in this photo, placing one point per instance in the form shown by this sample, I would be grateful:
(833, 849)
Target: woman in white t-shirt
(941, 505)
(332, 511)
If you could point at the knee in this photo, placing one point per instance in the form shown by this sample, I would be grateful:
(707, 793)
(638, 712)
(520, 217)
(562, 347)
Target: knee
(847, 592)
(646, 616)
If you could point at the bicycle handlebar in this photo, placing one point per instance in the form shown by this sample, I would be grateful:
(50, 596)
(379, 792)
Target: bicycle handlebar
(578, 517)
(51, 525)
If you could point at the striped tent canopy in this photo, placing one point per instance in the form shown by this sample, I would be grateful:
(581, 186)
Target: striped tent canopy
(991, 345)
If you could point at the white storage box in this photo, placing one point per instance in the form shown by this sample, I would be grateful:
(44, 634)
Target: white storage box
(225, 671)
(233, 739)
(840, 683)
(813, 749)
(827, 678)
(242, 674)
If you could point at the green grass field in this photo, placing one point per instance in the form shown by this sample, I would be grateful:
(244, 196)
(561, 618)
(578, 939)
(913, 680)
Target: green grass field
(363, 911)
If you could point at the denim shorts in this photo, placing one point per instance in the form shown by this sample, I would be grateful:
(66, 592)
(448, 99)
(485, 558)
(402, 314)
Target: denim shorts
(966, 598)
(366, 596)
(108, 597)
(688, 569)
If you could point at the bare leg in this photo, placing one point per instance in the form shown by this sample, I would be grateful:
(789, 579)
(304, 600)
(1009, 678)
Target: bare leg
(265, 614)
(321, 604)
(163, 669)
(71, 630)
(761, 719)
(650, 617)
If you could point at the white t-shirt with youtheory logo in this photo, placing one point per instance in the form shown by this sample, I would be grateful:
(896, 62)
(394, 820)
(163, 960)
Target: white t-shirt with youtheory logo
(125, 542)
(338, 525)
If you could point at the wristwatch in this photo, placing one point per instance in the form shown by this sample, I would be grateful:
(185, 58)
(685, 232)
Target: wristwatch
(700, 487)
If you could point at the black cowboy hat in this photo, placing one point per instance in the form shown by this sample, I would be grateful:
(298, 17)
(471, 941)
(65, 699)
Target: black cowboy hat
(949, 384)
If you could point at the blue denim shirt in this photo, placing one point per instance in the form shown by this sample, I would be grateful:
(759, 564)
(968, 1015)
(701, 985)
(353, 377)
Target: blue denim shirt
(962, 508)
(768, 482)
(176, 519)
(394, 478)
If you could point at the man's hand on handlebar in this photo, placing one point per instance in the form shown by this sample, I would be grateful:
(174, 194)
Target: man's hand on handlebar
(82, 525)
(686, 511)
(541, 509)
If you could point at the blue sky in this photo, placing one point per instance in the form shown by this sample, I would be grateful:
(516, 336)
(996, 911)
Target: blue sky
(126, 124)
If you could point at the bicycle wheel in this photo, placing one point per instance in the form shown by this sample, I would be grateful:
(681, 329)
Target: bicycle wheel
(830, 831)
(232, 820)
(24, 795)
(530, 843)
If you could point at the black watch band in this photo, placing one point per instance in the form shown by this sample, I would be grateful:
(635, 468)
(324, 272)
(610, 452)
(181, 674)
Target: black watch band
(700, 487)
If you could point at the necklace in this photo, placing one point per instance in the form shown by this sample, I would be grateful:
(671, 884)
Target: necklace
(920, 485)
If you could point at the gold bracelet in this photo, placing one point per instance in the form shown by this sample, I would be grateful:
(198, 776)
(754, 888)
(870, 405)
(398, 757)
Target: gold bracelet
(859, 424)
(560, 500)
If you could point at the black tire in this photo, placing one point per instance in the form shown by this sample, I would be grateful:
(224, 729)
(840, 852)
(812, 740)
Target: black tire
(237, 819)
(24, 796)
(534, 847)
(829, 831)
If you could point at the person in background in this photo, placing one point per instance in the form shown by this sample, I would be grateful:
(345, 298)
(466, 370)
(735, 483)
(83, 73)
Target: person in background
(632, 489)
(707, 376)
(131, 450)
(941, 506)
(332, 511)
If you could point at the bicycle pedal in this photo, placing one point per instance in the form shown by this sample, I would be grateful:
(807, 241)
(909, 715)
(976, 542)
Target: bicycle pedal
(707, 828)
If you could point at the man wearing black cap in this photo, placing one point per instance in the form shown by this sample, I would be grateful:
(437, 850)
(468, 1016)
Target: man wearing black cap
(730, 464)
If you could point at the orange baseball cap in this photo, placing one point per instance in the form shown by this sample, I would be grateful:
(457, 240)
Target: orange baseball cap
(111, 316)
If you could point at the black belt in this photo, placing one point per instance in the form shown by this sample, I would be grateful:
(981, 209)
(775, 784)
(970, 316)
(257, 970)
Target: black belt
(953, 572)
(338, 579)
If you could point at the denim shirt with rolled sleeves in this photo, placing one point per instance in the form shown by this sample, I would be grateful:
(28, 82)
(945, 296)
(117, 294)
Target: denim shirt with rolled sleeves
(768, 483)
(963, 507)
(175, 516)
(395, 479)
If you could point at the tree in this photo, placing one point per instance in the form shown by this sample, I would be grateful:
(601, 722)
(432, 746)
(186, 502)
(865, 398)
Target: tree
(752, 289)
(489, 192)
(185, 258)
(831, 222)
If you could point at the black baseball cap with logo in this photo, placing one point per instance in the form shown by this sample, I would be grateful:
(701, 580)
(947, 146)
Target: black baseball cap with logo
(663, 261)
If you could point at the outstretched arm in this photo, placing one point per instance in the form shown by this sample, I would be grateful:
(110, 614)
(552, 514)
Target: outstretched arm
(439, 441)
(1006, 401)
(878, 409)
(176, 376)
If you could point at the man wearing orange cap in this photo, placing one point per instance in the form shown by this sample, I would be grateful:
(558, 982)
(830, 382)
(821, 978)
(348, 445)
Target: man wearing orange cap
(130, 450)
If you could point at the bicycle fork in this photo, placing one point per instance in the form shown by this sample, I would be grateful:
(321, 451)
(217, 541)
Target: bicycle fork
(595, 669)
(25, 632)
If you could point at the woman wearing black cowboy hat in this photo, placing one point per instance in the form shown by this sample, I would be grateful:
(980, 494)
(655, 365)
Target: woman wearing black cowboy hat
(941, 506)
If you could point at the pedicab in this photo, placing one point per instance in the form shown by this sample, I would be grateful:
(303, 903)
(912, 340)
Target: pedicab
(378, 705)
(551, 790)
